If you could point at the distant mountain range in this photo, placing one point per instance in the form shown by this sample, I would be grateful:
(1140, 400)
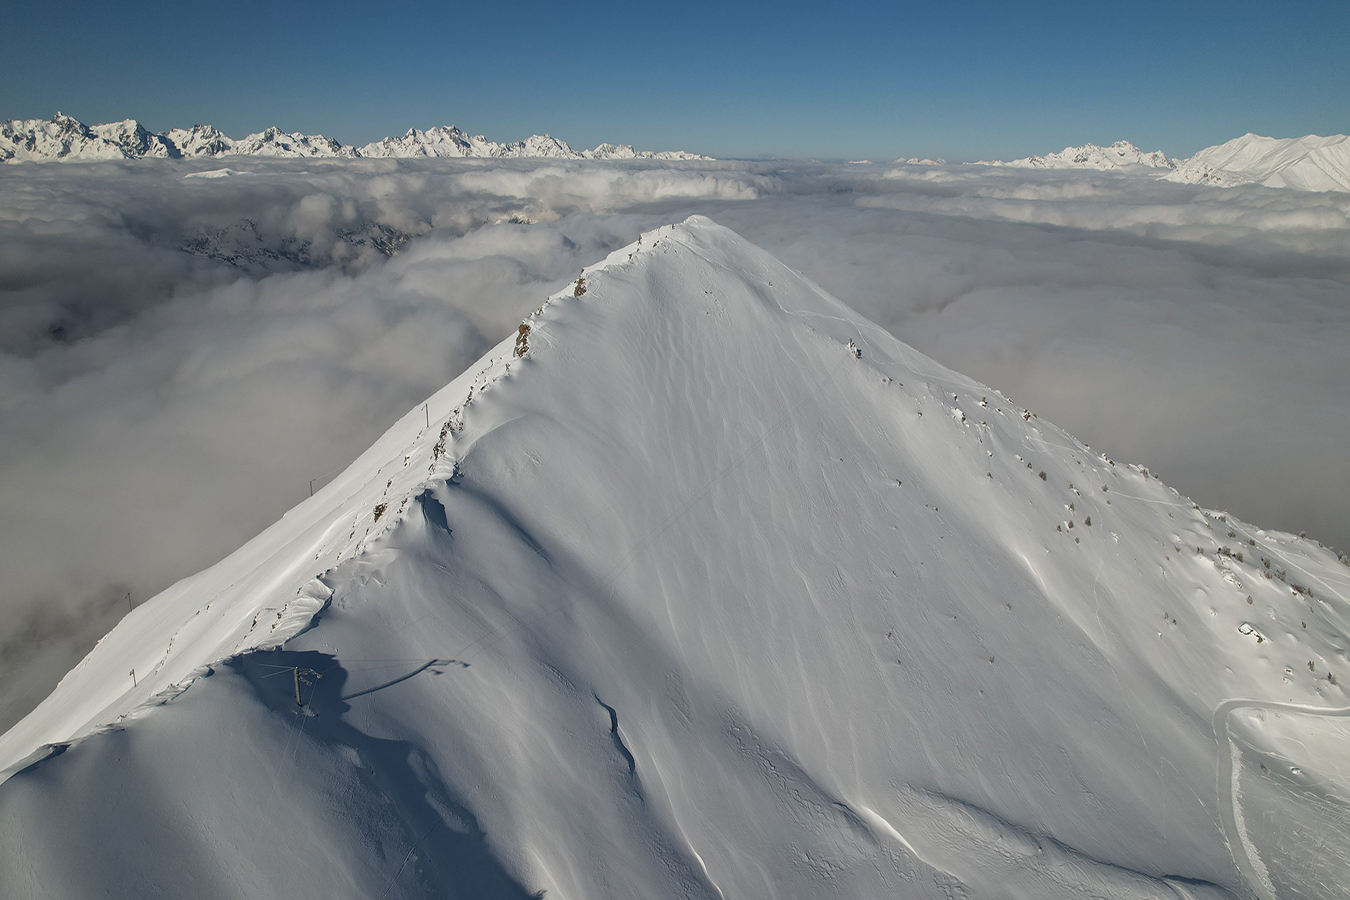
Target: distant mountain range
(1310, 163)
(1119, 155)
(65, 138)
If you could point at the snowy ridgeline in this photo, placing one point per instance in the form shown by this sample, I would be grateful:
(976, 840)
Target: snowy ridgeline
(701, 585)
(65, 138)
(1310, 163)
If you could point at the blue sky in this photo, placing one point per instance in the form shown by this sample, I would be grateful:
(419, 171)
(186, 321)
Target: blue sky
(959, 80)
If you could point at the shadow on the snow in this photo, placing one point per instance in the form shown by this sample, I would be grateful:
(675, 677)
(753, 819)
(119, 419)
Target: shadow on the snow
(436, 666)
(450, 856)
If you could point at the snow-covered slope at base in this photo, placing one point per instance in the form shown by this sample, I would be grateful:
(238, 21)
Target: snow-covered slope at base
(1310, 163)
(65, 138)
(717, 591)
(1120, 155)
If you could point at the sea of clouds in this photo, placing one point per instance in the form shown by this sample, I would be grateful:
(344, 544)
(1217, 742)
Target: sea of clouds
(183, 348)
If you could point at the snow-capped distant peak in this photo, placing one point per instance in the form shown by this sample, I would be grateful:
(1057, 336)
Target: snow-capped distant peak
(1120, 155)
(275, 142)
(626, 151)
(1309, 163)
(451, 141)
(66, 138)
(63, 137)
(439, 141)
(200, 140)
(135, 141)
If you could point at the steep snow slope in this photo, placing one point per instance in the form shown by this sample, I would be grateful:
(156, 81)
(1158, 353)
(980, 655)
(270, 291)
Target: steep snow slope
(702, 585)
(1310, 163)
(1121, 154)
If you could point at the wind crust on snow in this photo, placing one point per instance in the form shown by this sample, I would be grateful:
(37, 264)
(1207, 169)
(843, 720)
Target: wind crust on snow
(738, 574)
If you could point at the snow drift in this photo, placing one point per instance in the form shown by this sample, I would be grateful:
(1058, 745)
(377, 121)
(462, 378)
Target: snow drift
(700, 584)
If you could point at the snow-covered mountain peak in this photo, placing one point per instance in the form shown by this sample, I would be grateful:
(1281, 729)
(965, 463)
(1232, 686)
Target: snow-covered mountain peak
(63, 137)
(700, 584)
(1121, 154)
(136, 142)
(1309, 163)
(200, 140)
(66, 138)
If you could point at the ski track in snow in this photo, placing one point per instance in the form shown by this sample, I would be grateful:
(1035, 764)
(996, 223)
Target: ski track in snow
(1240, 845)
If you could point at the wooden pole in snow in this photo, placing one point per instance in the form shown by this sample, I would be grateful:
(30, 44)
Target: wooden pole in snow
(297, 687)
(133, 678)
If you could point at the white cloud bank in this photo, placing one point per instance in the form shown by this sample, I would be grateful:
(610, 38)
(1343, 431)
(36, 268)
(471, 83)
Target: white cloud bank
(180, 356)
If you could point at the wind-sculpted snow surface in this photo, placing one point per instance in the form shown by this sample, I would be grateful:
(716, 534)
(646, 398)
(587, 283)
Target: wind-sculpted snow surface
(702, 585)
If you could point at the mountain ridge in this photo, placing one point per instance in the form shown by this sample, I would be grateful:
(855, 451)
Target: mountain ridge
(1119, 155)
(1308, 163)
(66, 139)
(700, 584)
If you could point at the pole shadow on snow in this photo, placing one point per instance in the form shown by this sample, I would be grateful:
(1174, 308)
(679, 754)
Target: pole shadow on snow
(436, 666)
(450, 856)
